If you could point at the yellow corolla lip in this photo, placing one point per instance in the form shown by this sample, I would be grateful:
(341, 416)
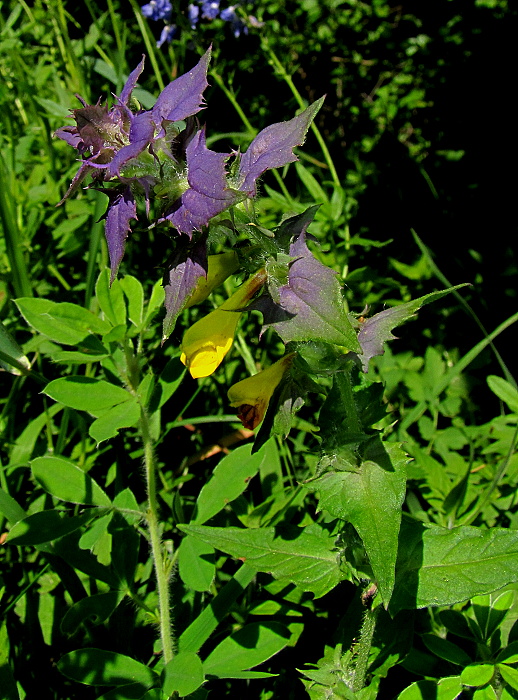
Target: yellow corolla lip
(252, 395)
(207, 341)
(219, 267)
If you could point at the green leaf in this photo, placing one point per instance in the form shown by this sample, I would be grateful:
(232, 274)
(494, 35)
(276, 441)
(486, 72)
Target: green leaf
(447, 688)
(505, 391)
(135, 295)
(46, 526)
(498, 612)
(509, 654)
(477, 674)
(11, 354)
(124, 415)
(155, 302)
(183, 674)
(67, 482)
(196, 564)
(229, 479)
(132, 691)
(375, 331)
(95, 610)
(250, 646)
(10, 508)
(111, 299)
(100, 667)
(62, 322)
(86, 394)
(168, 382)
(306, 559)
(26, 441)
(486, 693)
(509, 674)
(446, 650)
(370, 499)
(439, 566)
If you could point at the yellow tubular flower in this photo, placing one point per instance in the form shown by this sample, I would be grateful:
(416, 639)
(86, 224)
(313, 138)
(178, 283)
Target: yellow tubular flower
(206, 342)
(219, 268)
(252, 395)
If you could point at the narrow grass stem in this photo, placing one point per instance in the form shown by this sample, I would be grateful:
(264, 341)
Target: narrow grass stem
(162, 577)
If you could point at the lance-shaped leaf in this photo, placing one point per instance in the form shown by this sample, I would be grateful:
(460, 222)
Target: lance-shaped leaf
(310, 305)
(273, 147)
(131, 82)
(208, 192)
(377, 330)
(121, 210)
(184, 96)
(186, 269)
(306, 557)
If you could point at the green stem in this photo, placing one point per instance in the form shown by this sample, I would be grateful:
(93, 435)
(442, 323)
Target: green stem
(287, 79)
(162, 577)
(363, 649)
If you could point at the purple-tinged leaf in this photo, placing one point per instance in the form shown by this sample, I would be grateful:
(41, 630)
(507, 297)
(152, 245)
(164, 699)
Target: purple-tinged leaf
(208, 192)
(186, 270)
(141, 134)
(70, 135)
(311, 305)
(131, 82)
(121, 210)
(273, 147)
(88, 167)
(377, 330)
(184, 96)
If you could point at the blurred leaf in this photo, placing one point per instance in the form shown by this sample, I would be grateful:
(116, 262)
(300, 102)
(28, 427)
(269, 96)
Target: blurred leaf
(505, 391)
(67, 482)
(64, 322)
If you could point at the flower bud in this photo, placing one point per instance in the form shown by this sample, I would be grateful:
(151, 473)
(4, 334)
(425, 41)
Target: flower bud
(219, 268)
(252, 395)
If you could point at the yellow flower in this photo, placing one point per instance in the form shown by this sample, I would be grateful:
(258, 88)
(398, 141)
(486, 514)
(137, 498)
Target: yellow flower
(219, 268)
(252, 395)
(206, 342)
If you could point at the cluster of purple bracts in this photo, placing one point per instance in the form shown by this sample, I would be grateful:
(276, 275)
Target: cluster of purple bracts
(148, 154)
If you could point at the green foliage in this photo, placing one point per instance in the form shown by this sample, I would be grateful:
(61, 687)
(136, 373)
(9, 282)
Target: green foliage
(376, 537)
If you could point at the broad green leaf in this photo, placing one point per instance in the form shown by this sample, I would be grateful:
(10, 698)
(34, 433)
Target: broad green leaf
(86, 394)
(370, 499)
(498, 611)
(196, 564)
(155, 302)
(504, 390)
(447, 688)
(229, 479)
(248, 647)
(111, 299)
(100, 667)
(183, 674)
(132, 691)
(68, 548)
(46, 526)
(62, 322)
(67, 482)
(456, 623)
(10, 508)
(168, 382)
(446, 650)
(477, 674)
(306, 559)
(123, 415)
(11, 354)
(439, 566)
(126, 504)
(509, 674)
(94, 609)
(487, 692)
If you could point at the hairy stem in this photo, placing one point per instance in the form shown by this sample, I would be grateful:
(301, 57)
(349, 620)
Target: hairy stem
(161, 569)
(363, 649)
